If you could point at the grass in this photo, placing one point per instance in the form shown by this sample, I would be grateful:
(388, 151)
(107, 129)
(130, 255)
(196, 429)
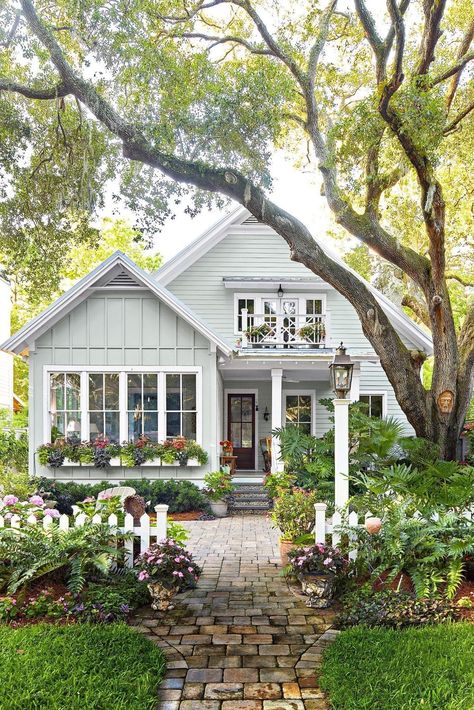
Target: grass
(81, 667)
(430, 668)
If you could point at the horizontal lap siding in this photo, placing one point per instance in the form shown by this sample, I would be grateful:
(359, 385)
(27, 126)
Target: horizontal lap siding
(374, 380)
(121, 329)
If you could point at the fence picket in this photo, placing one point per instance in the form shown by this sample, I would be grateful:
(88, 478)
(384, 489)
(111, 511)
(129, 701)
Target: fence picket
(144, 532)
(97, 519)
(128, 527)
(47, 522)
(31, 519)
(80, 520)
(353, 523)
(2, 522)
(15, 521)
(64, 522)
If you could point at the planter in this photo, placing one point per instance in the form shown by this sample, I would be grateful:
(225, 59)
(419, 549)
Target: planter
(161, 596)
(319, 588)
(285, 547)
(219, 508)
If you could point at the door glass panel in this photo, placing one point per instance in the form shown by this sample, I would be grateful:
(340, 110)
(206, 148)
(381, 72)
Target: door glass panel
(247, 409)
(270, 307)
(111, 391)
(235, 435)
(247, 441)
(290, 308)
(235, 409)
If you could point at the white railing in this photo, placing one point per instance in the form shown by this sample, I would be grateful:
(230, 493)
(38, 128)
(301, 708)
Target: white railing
(283, 330)
(146, 531)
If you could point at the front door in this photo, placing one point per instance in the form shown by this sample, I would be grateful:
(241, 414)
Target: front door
(241, 428)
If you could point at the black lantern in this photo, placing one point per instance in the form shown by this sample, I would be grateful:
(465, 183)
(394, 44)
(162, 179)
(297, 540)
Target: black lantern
(280, 292)
(341, 372)
(266, 414)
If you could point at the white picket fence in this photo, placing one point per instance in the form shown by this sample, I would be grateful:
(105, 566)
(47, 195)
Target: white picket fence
(146, 532)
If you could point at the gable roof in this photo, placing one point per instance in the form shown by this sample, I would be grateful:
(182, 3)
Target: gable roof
(118, 271)
(242, 217)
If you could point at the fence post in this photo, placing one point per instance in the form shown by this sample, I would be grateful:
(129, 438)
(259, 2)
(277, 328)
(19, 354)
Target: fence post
(161, 511)
(320, 522)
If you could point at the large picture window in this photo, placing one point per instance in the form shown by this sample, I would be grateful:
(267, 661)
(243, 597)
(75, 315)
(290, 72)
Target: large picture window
(122, 405)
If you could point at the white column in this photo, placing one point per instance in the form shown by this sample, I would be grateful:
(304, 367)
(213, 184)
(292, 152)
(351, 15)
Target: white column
(341, 458)
(320, 522)
(277, 378)
(355, 386)
(244, 339)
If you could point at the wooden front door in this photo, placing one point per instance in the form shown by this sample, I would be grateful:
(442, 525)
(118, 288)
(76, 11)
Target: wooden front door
(241, 428)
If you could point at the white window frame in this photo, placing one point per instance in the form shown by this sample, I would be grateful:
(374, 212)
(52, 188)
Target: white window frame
(310, 393)
(376, 393)
(266, 296)
(84, 371)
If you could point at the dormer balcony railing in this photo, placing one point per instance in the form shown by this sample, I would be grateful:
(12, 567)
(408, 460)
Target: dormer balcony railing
(283, 330)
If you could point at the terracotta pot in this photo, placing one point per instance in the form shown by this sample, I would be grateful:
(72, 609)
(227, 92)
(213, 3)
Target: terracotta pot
(373, 525)
(319, 588)
(219, 508)
(161, 596)
(285, 547)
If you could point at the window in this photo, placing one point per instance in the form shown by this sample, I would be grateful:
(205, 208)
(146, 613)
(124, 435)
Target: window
(299, 411)
(181, 406)
(65, 405)
(142, 405)
(122, 405)
(314, 307)
(249, 304)
(375, 404)
(104, 407)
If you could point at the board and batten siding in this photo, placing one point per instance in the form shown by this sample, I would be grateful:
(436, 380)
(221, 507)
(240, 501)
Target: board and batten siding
(6, 360)
(201, 285)
(123, 329)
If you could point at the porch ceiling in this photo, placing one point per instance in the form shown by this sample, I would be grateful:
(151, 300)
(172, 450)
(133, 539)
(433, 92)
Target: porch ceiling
(317, 373)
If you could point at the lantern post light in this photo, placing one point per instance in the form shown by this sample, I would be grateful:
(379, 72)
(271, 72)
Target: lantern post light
(341, 370)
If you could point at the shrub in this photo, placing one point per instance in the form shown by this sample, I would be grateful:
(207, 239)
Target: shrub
(218, 485)
(318, 559)
(393, 609)
(68, 494)
(293, 513)
(78, 666)
(180, 496)
(169, 564)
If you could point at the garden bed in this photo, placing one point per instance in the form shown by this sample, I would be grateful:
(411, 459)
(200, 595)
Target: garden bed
(79, 666)
(383, 668)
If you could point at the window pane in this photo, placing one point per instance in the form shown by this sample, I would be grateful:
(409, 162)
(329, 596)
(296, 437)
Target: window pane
(134, 424)
(134, 391)
(189, 425)
(96, 424)
(57, 426)
(305, 428)
(173, 424)
(376, 406)
(112, 391)
(150, 392)
(73, 427)
(314, 306)
(173, 392)
(73, 390)
(305, 409)
(269, 307)
(57, 391)
(189, 392)
(96, 398)
(112, 426)
(150, 425)
(235, 435)
(247, 442)
(247, 409)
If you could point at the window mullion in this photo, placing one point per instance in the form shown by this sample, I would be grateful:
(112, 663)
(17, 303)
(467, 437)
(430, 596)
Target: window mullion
(123, 417)
(161, 406)
(85, 428)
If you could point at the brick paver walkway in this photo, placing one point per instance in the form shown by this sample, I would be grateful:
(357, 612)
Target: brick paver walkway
(242, 639)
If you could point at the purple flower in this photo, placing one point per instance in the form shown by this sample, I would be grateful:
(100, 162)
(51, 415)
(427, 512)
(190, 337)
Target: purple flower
(143, 575)
(52, 512)
(36, 500)
(327, 561)
(190, 569)
(10, 500)
(175, 573)
(89, 500)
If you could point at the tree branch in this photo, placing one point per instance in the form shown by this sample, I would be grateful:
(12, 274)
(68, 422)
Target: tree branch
(454, 69)
(12, 33)
(46, 93)
(469, 283)
(215, 40)
(418, 309)
(319, 43)
(434, 11)
(465, 44)
(462, 114)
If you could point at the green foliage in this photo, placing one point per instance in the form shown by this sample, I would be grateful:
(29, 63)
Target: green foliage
(218, 485)
(78, 666)
(169, 564)
(30, 553)
(293, 513)
(280, 480)
(391, 608)
(177, 532)
(428, 667)
(13, 456)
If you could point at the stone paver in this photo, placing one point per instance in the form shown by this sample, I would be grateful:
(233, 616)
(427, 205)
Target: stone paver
(242, 639)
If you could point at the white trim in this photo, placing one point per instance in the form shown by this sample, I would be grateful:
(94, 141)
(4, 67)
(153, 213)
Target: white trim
(264, 285)
(232, 224)
(242, 390)
(307, 392)
(123, 418)
(262, 296)
(19, 342)
(377, 393)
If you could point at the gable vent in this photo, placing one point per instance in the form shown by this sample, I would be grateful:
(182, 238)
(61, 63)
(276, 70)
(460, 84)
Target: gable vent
(122, 280)
(251, 220)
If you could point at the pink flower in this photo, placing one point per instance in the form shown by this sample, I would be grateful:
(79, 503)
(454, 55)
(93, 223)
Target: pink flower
(143, 575)
(327, 561)
(180, 574)
(52, 512)
(10, 500)
(175, 573)
(36, 500)
(88, 500)
(190, 569)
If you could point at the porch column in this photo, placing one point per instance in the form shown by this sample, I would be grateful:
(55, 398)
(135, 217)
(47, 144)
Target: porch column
(277, 378)
(354, 394)
(341, 458)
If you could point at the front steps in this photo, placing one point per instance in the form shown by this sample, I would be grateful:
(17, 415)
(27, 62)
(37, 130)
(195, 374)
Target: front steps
(249, 499)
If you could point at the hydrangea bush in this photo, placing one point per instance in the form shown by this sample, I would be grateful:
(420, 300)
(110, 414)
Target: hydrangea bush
(11, 506)
(318, 559)
(169, 564)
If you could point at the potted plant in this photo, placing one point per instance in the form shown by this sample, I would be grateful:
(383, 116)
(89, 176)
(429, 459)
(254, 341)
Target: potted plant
(293, 515)
(218, 487)
(316, 568)
(167, 568)
(227, 447)
(256, 333)
(313, 333)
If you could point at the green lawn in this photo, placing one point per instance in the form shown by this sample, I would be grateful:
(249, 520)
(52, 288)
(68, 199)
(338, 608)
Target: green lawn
(430, 668)
(81, 667)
